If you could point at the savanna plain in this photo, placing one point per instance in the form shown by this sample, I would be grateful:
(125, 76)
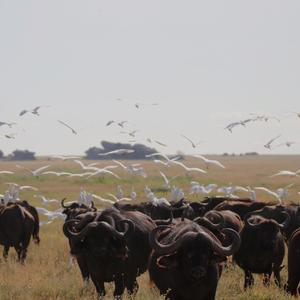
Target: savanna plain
(46, 274)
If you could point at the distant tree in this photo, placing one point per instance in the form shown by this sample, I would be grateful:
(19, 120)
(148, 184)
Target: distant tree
(22, 155)
(1, 154)
(140, 151)
(251, 153)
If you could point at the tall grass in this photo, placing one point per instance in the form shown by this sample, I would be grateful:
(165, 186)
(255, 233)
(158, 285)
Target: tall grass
(46, 274)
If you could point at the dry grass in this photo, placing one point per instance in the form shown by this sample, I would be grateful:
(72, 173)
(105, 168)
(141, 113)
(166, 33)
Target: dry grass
(46, 274)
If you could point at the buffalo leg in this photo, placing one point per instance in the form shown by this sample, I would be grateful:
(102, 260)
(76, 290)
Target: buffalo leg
(99, 285)
(18, 250)
(249, 280)
(266, 278)
(5, 252)
(132, 288)
(83, 268)
(277, 276)
(292, 285)
(119, 287)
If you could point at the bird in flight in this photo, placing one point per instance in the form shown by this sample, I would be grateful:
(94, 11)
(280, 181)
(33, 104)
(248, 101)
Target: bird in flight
(138, 104)
(118, 151)
(36, 172)
(10, 135)
(232, 125)
(8, 124)
(194, 145)
(210, 161)
(45, 200)
(68, 126)
(287, 173)
(65, 157)
(188, 168)
(166, 180)
(268, 144)
(6, 172)
(34, 111)
(288, 144)
(279, 194)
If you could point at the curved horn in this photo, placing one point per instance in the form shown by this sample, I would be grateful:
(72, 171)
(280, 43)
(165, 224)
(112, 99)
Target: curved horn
(286, 222)
(249, 222)
(87, 218)
(63, 203)
(130, 227)
(229, 250)
(93, 207)
(215, 215)
(110, 220)
(111, 229)
(77, 237)
(204, 221)
(163, 249)
(164, 222)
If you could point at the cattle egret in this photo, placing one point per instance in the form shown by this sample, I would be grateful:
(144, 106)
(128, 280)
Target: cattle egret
(189, 169)
(8, 124)
(6, 172)
(56, 173)
(102, 199)
(288, 144)
(209, 162)
(68, 126)
(232, 125)
(62, 157)
(166, 180)
(268, 144)
(280, 193)
(118, 151)
(45, 200)
(287, 173)
(36, 172)
(194, 145)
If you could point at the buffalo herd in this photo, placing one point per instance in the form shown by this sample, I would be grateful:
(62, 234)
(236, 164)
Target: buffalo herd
(184, 246)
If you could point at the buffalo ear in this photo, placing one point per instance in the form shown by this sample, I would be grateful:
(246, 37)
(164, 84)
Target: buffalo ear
(216, 259)
(168, 261)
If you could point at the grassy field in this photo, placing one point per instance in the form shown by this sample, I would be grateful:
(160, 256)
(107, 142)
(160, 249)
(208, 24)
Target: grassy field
(46, 274)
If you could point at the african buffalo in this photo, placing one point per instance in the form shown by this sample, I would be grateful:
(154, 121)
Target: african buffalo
(185, 262)
(262, 249)
(34, 213)
(275, 212)
(114, 246)
(78, 211)
(293, 263)
(241, 207)
(16, 228)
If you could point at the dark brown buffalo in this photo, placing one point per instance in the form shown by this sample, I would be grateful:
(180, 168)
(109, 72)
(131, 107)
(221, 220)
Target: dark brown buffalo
(34, 213)
(262, 249)
(16, 228)
(275, 212)
(185, 261)
(293, 263)
(114, 246)
(241, 207)
(79, 212)
(212, 202)
(75, 209)
(231, 219)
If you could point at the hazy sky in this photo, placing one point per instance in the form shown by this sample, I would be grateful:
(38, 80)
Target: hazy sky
(207, 64)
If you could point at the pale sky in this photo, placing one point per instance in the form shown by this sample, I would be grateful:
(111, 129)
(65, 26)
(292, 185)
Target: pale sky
(207, 64)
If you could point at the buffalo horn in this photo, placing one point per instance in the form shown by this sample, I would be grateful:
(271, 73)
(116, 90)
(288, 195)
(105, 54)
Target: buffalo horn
(286, 221)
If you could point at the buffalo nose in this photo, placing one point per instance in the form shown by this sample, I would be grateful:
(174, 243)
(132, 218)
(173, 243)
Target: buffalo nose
(198, 272)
